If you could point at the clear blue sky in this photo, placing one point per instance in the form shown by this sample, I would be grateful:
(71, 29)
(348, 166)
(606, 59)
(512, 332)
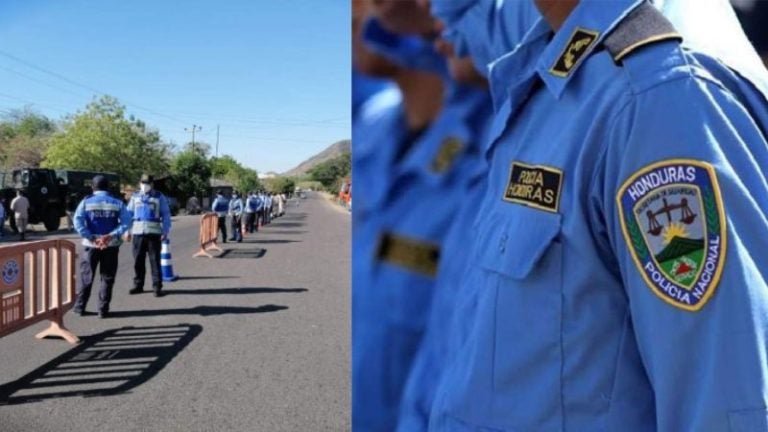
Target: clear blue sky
(274, 74)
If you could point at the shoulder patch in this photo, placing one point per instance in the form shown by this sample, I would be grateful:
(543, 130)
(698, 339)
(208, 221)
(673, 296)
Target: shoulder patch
(578, 46)
(446, 155)
(535, 186)
(673, 221)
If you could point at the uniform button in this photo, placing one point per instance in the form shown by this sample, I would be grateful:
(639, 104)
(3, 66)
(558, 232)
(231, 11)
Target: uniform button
(503, 244)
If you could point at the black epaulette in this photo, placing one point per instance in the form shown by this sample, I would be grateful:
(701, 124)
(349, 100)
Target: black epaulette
(644, 25)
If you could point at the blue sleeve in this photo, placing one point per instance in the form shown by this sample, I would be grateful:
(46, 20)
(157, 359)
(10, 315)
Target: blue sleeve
(684, 198)
(79, 221)
(165, 215)
(125, 221)
(213, 204)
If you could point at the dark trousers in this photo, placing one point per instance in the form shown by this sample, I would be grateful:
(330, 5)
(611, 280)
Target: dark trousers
(223, 228)
(106, 261)
(237, 234)
(250, 221)
(143, 245)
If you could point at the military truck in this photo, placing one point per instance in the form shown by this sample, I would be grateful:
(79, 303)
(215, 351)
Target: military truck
(48, 192)
(45, 194)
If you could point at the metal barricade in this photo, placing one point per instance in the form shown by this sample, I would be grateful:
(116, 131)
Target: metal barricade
(209, 227)
(37, 283)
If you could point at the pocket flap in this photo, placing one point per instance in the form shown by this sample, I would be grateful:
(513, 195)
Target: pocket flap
(511, 244)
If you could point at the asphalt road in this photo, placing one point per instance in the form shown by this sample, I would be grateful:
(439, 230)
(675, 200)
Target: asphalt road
(237, 344)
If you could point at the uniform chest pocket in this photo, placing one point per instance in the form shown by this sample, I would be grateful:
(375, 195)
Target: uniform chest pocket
(521, 258)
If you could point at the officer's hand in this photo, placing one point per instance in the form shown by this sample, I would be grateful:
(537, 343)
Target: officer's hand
(105, 240)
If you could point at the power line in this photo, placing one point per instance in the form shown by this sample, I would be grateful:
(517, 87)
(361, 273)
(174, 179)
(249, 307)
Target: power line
(86, 87)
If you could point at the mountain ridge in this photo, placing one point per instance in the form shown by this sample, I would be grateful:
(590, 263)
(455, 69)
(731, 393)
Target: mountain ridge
(332, 151)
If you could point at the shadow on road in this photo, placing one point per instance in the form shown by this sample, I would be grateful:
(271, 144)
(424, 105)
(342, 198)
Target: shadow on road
(234, 291)
(271, 241)
(198, 310)
(104, 364)
(243, 253)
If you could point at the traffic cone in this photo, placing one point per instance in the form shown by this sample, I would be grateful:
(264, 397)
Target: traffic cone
(166, 263)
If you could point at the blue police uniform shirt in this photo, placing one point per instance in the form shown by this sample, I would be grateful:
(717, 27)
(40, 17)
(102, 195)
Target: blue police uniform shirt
(101, 214)
(220, 206)
(150, 213)
(236, 206)
(620, 251)
(484, 29)
(402, 214)
(251, 204)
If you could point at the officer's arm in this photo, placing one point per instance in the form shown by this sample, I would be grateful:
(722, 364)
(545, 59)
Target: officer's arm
(130, 208)
(79, 222)
(165, 215)
(685, 200)
(125, 222)
(213, 204)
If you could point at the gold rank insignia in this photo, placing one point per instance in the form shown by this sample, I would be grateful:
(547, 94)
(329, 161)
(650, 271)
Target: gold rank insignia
(577, 47)
(408, 253)
(534, 186)
(445, 157)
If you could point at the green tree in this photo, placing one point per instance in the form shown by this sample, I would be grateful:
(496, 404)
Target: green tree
(191, 172)
(284, 185)
(24, 138)
(228, 168)
(101, 138)
(331, 171)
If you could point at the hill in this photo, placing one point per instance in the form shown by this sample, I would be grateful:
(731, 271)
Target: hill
(679, 247)
(331, 152)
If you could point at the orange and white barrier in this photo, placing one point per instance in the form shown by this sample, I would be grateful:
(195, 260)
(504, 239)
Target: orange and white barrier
(37, 283)
(209, 233)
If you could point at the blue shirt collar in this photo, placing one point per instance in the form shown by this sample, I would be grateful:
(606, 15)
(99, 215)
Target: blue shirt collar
(100, 192)
(595, 16)
(537, 53)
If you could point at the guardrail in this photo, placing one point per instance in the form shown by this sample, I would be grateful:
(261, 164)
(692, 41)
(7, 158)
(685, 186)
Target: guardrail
(209, 227)
(37, 283)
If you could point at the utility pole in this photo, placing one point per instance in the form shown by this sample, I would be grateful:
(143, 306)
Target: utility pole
(194, 129)
(217, 140)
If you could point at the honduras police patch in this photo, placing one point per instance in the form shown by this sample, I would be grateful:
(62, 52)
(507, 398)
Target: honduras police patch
(672, 217)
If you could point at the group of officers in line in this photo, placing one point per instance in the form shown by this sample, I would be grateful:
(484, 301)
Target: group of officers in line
(259, 209)
(562, 217)
(105, 222)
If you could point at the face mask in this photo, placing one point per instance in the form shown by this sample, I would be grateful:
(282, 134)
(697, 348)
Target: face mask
(145, 187)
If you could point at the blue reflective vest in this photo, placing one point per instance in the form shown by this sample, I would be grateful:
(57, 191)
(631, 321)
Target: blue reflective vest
(619, 261)
(252, 204)
(100, 214)
(220, 206)
(147, 212)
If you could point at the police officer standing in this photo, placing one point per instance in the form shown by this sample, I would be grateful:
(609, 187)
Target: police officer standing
(220, 206)
(236, 213)
(251, 206)
(151, 224)
(100, 219)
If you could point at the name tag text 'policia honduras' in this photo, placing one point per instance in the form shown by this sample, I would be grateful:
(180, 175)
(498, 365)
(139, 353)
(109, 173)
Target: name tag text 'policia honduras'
(534, 186)
(408, 253)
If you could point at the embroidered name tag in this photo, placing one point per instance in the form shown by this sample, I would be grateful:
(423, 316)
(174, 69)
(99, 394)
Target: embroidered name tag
(577, 47)
(411, 254)
(445, 157)
(673, 221)
(534, 186)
